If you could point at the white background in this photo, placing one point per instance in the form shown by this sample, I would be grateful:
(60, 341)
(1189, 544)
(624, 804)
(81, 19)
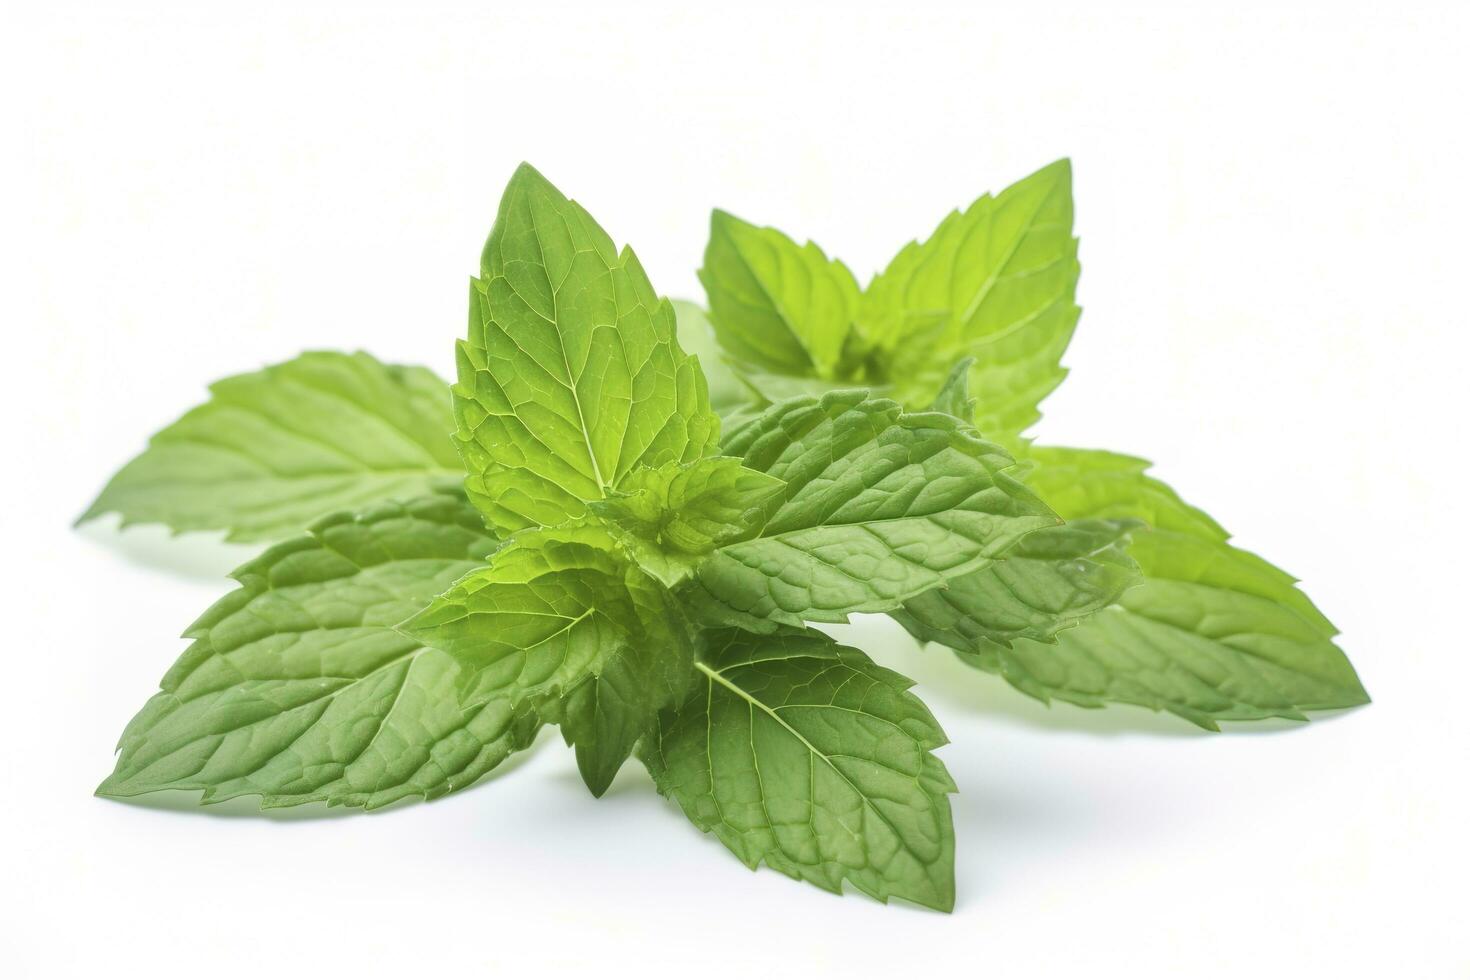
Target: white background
(1272, 205)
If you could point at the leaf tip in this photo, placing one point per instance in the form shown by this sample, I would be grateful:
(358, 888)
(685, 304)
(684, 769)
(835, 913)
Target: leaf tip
(944, 902)
(723, 222)
(110, 789)
(524, 171)
(527, 177)
(1058, 174)
(90, 514)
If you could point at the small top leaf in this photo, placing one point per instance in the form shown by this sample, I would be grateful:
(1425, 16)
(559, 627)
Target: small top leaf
(561, 621)
(776, 305)
(997, 283)
(571, 377)
(679, 513)
(543, 613)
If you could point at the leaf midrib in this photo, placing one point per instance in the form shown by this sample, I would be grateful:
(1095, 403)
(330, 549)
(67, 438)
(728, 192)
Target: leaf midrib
(984, 292)
(718, 677)
(566, 361)
(778, 307)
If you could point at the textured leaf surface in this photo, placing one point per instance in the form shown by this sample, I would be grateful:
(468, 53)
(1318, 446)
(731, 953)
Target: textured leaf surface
(806, 756)
(605, 715)
(781, 307)
(572, 376)
(553, 612)
(679, 513)
(297, 687)
(879, 506)
(1052, 580)
(997, 283)
(1212, 633)
(273, 450)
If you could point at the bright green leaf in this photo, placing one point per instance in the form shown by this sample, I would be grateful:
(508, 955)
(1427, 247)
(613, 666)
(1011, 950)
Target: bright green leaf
(572, 377)
(605, 715)
(556, 610)
(273, 450)
(997, 283)
(1213, 633)
(678, 513)
(807, 756)
(880, 505)
(776, 305)
(297, 688)
(1080, 483)
(1052, 580)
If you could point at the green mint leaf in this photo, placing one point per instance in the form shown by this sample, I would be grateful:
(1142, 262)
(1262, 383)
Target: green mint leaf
(697, 336)
(805, 755)
(555, 611)
(541, 616)
(1094, 483)
(880, 505)
(1212, 633)
(604, 716)
(679, 513)
(572, 376)
(996, 282)
(297, 688)
(273, 450)
(1052, 580)
(778, 306)
(955, 398)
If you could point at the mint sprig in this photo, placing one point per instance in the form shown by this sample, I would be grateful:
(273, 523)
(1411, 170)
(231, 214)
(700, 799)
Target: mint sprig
(973, 321)
(571, 536)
